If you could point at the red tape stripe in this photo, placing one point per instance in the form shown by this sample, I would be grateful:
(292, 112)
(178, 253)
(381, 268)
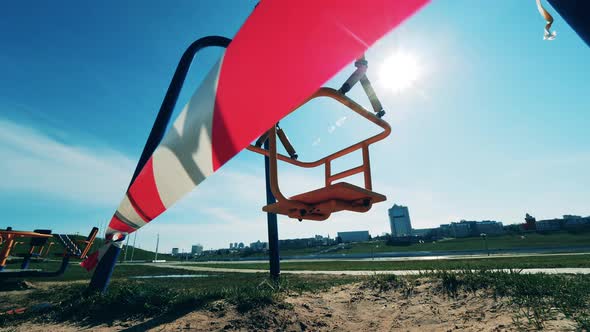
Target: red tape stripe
(120, 226)
(144, 195)
(284, 52)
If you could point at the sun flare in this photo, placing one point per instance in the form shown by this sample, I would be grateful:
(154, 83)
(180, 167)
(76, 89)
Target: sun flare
(400, 71)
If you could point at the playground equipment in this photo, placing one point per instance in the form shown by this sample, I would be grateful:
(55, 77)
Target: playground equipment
(36, 242)
(72, 248)
(264, 74)
(8, 238)
(319, 204)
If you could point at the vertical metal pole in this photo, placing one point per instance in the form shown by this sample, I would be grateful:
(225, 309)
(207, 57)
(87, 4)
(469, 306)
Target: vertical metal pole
(133, 249)
(26, 261)
(157, 245)
(126, 248)
(102, 274)
(273, 229)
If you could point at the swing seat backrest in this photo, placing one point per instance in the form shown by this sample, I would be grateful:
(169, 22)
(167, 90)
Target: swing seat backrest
(319, 204)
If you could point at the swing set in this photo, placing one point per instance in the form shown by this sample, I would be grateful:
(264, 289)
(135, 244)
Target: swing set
(319, 204)
(39, 248)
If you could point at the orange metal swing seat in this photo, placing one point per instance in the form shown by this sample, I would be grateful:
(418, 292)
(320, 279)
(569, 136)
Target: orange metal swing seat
(319, 204)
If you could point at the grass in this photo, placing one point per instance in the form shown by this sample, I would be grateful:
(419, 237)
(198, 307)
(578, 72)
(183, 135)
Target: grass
(541, 261)
(535, 298)
(509, 241)
(139, 299)
(531, 240)
(75, 272)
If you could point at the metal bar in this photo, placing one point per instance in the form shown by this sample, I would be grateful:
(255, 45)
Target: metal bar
(361, 70)
(367, 165)
(286, 143)
(261, 139)
(347, 173)
(27, 258)
(104, 270)
(8, 242)
(88, 242)
(133, 249)
(26, 261)
(273, 172)
(271, 219)
(126, 247)
(273, 176)
(334, 94)
(328, 172)
(375, 103)
(167, 108)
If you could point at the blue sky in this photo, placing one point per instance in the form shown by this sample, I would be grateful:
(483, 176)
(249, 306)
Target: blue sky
(495, 126)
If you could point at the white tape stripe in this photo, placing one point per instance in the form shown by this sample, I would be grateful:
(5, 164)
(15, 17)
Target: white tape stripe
(184, 158)
(128, 213)
(125, 220)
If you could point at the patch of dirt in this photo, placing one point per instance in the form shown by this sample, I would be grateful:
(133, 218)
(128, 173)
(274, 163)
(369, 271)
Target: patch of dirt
(424, 307)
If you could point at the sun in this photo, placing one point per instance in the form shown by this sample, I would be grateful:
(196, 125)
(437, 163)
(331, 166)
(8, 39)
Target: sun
(399, 71)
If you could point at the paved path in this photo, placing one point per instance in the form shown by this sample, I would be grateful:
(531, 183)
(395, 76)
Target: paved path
(358, 273)
(401, 259)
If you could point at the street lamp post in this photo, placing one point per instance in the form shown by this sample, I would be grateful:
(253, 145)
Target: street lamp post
(485, 241)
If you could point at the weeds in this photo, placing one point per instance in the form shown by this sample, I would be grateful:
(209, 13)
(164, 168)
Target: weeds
(139, 299)
(450, 283)
(537, 298)
(385, 282)
(382, 282)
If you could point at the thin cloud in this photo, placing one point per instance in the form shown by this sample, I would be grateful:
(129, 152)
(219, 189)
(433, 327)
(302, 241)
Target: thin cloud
(336, 124)
(35, 162)
(340, 121)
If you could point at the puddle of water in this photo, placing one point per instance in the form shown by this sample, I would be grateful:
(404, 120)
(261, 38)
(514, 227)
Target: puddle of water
(174, 276)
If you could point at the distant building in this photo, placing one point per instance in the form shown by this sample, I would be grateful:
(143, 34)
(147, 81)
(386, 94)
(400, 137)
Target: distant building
(463, 228)
(444, 230)
(422, 231)
(231, 245)
(316, 241)
(174, 251)
(399, 221)
(568, 222)
(551, 225)
(466, 228)
(259, 246)
(489, 227)
(574, 223)
(354, 236)
(196, 249)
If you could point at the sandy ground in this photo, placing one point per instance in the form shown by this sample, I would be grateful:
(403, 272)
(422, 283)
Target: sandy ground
(344, 308)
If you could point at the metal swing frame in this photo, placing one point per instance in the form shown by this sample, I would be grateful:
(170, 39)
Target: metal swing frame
(319, 204)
